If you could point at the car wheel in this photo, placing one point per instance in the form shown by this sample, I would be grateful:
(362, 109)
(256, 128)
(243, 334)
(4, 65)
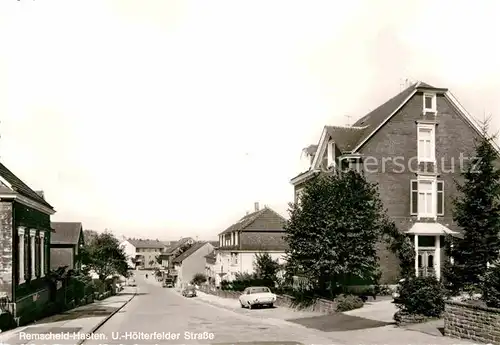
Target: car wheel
(271, 305)
(250, 306)
(242, 305)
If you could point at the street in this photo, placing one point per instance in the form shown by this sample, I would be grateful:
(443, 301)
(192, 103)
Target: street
(162, 316)
(189, 321)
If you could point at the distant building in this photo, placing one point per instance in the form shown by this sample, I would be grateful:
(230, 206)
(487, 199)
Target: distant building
(174, 249)
(65, 244)
(190, 262)
(142, 253)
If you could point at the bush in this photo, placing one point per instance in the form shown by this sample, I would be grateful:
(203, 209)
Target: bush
(198, 279)
(348, 302)
(491, 287)
(421, 296)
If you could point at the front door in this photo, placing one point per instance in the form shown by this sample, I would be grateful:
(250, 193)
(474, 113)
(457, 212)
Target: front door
(426, 263)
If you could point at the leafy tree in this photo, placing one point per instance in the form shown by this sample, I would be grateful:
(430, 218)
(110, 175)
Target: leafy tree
(104, 256)
(158, 259)
(266, 267)
(477, 212)
(333, 230)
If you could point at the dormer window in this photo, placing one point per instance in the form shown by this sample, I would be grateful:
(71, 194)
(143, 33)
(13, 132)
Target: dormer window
(430, 105)
(330, 153)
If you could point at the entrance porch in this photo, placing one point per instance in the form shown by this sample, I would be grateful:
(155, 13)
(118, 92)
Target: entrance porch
(429, 248)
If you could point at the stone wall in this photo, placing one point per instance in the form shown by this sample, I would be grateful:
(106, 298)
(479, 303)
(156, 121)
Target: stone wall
(319, 306)
(467, 321)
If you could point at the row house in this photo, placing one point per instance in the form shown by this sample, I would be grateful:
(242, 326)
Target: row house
(414, 146)
(24, 244)
(261, 231)
(143, 253)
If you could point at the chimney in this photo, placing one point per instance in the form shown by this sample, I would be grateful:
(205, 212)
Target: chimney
(256, 206)
(248, 212)
(41, 194)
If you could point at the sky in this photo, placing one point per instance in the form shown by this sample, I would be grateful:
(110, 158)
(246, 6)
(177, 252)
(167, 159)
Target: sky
(162, 119)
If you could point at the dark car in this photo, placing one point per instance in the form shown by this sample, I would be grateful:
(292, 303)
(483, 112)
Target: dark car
(190, 291)
(168, 283)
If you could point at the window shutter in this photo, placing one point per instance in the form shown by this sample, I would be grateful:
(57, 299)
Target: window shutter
(27, 255)
(440, 198)
(37, 256)
(413, 197)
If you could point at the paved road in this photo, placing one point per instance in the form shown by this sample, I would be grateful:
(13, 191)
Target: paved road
(160, 310)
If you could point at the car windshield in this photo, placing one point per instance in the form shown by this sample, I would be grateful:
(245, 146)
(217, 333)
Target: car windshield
(259, 290)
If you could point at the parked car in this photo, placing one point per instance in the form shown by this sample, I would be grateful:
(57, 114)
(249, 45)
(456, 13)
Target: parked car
(190, 291)
(131, 282)
(167, 283)
(257, 296)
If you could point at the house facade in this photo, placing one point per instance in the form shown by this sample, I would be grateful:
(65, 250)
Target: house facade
(261, 231)
(414, 146)
(65, 244)
(25, 242)
(190, 262)
(142, 253)
(210, 261)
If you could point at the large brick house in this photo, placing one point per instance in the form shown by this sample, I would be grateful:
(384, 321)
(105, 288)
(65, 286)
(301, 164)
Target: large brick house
(257, 232)
(414, 146)
(24, 245)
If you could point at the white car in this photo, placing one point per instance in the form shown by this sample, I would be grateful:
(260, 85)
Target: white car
(257, 296)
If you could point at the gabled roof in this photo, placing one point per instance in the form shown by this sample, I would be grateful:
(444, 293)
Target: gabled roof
(66, 232)
(178, 244)
(189, 251)
(20, 187)
(346, 137)
(146, 244)
(262, 220)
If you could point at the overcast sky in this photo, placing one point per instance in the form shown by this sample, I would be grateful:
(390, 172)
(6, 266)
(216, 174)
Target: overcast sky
(165, 118)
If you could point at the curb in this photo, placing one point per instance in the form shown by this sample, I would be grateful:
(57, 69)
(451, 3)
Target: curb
(101, 323)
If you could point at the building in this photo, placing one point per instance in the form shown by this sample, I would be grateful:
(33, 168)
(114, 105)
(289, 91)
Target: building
(258, 232)
(24, 245)
(190, 262)
(174, 249)
(414, 146)
(143, 253)
(65, 244)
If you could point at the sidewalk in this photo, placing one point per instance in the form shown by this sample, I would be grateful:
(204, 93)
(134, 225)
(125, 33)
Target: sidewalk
(72, 326)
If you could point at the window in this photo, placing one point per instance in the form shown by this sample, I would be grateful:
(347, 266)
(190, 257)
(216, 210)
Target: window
(425, 201)
(430, 103)
(426, 198)
(234, 258)
(33, 253)
(42, 254)
(426, 143)
(298, 195)
(440, 198)
(331, 154)
(22, 255)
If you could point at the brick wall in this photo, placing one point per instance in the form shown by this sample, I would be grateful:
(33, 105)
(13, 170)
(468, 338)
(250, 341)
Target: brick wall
(6, 249)
(474, 322)
(319, 306)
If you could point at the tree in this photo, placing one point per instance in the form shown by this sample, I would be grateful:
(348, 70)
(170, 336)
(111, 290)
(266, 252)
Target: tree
(477, 212)
(104, 256)
(158, 259)
(265, 267)
(151, 262)
(333, 230)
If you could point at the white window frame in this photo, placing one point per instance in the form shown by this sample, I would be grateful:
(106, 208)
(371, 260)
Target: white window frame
(433, 108)
(331, 153)
(432, 128)
(33, 253)
(42, 254)
(433, 182)
(298, 194)
(234, 259)
(22, 255)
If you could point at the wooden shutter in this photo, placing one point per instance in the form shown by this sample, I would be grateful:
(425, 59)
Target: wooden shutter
(27, 256)
(37, 256)
(440, 198)
(413, 197)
